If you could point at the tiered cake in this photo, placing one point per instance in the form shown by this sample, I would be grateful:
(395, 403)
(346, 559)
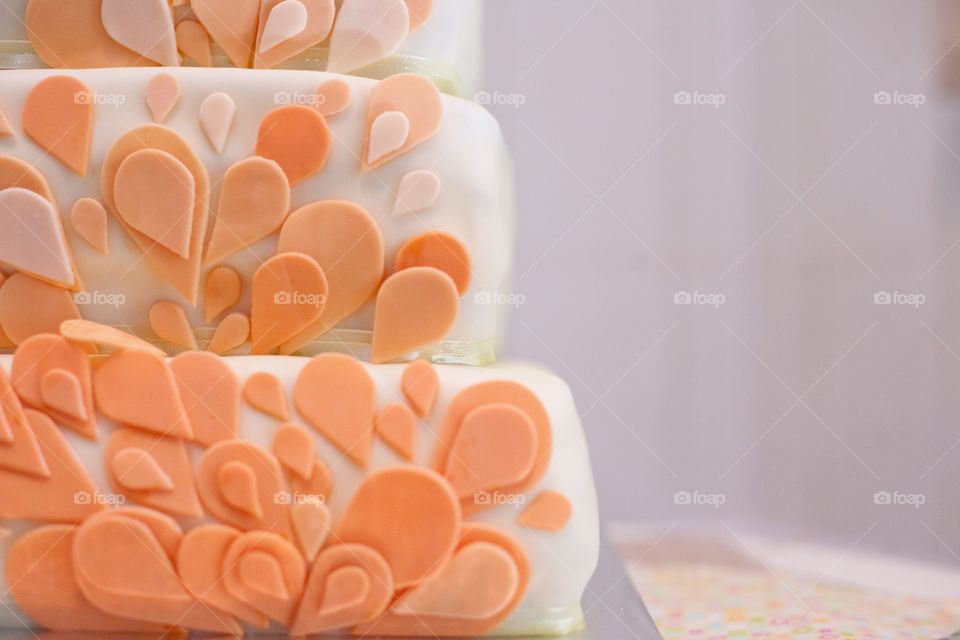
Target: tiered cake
(246, 311)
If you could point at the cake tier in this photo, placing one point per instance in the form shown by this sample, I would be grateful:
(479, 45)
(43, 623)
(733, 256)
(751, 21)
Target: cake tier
(363, 177)
(373, 38)
(286, 493)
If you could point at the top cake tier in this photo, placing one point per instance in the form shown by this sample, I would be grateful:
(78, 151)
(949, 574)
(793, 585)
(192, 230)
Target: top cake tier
(373, 38)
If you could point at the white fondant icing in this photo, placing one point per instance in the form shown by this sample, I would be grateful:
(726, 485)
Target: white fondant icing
(31, 237)
(288, 19)
(387, 134)
(218, 112)
(418, 190)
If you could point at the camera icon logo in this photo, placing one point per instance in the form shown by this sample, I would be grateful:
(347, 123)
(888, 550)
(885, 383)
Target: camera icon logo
(882, 297)
(82, 298)
(882, 498)
(682, 97)
(483, 498)
(83, 97)
(82, 498)
(682, 497)
(882, 97)
(682, 297)
(282, 98)
(283, 297)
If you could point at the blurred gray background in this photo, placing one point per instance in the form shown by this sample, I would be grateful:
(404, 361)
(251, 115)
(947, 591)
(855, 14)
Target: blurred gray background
(793, 166)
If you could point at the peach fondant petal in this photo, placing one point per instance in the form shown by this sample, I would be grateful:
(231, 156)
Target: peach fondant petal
(138, 388)
(40, 572)
(367, 31)
(388, 134)
(210, 393)
(17, 173)
(172, 458)
(155, 193)
(316, 489)
(232, 24)
(414, 96)
(264, 392)
(169, 321)
(231, 333)
(333, 97)
(334, 597)
(147, 29)
(441, 251)
(420, 11)
(58, 116)
(397, 425)
(311, 525)
(416, 308)
(70, 35)
(42, 354)
(276, 593)
(62, 392)
(166, 530)
(136, 470)
(289, 295)
(222, 291)
(336, 396)
(32, 239)
(319, 19)
(237, 484)
(410, 516)
(22, 453)
(67, 495)
(10, 408)
(421, 385)
(270, 483)
(286, 20)
(348, 244)
(29, 306)
(549, 511)
(294, 448)
(193, 41)
(6, 432)
(297, 138)
(418, 190)
(89, 220)
(163, 93)
(85, 332)
(218, 112)
(254, 200)
(6, 130)
(263, 574)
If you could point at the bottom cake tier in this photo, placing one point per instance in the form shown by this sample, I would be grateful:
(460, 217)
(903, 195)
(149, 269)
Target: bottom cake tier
(284, 494)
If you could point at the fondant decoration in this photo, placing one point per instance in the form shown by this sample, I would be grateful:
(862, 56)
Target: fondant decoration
(232, 332)
(348, 244)
(289, 295)
(416, 308)
(183, 273)
(32, 239)
(167, 456)
(264, 392)
(218, 112)
(163, 93)
(146, 29)
(418, 190)
(254, 200)
(549, 511)
(388, 134)
(337, 397)
(85, 332)
(200, 564)
(40, 572)
(62, 392)
(167, 530)
(58, 116)
(232, 24)
(70, 35)
(222, 291)
(269, 482)
(367, 31)
(42, 354)
(311, 525)
(286, 20)
(210, 393)
(6, 131)
(349, 584)
(266, 572)
(412, 95)
(496, 446)
(123, 570)
(420, 11)
(67, 495)
(17, 173)
(11, 410)
(238, 488)
(287, 39)
(421, 385)
(193, 41)
(318, 487)
(137, 388)
(169, 321)
(397, 425)
(441, 251)
(89, 220)
(333, 97)
(29, 306)
(297, 138)
(294, 448)
(20, 451)
(496, 392)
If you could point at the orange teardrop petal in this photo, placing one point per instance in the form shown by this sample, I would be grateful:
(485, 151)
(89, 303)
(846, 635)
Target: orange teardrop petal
(421, 385)
(289, 294)
(297, 138)
(264, 392)
(397, 425)
(58, 116)
(210, 393)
